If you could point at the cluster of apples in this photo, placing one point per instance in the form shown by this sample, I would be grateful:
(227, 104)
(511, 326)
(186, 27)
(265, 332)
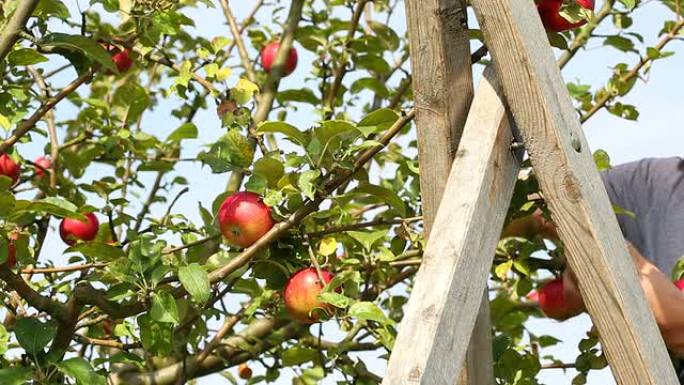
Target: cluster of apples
(12, 169)
(243, 219)
(553, 20)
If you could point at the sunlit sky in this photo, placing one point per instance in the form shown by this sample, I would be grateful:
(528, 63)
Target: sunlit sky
(658, 132)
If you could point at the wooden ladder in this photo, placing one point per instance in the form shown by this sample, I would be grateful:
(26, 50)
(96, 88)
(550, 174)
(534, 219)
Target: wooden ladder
(445, 336)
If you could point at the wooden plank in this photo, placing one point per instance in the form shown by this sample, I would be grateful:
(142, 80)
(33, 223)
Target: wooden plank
(440, 315)
(440, 50)
(560, 155)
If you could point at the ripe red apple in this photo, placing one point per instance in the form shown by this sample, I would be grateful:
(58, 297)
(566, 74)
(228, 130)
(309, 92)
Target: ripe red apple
(268, 57)
(244, 371)
(122, 59)
(680, 284)
(554, 302)
(9, 168)
(301, 295)
(43, 162)
(244, 218)
(549, 10)
(72, 230)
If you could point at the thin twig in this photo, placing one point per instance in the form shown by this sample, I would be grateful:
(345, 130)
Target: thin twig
(12, 30)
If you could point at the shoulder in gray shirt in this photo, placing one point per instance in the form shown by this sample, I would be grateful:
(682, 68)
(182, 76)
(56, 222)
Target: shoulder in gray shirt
(653, 189)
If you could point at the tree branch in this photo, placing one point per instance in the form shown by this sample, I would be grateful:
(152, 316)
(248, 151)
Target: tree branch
(237, 39)
(26, 125)
(10, 34)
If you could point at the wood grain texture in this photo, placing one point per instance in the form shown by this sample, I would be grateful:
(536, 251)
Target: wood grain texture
(441, 313)
(560, 155)
(443, 91)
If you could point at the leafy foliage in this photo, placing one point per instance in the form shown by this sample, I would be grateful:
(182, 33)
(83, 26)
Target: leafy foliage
(157, 288)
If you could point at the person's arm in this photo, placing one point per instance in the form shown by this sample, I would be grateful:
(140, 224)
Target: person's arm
(530, 226)
(665, 299)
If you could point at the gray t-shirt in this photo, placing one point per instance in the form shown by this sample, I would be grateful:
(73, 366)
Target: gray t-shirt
(653, 189)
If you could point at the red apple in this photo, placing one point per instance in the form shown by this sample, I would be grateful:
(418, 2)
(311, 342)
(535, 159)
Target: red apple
(301, 295)
(549, 10)
(268, 57)
(9, 168)
(122, 59)
(554, 302)
(244, 218)
(244, 371)
(680, 284)
(72, 230)
(43, 162)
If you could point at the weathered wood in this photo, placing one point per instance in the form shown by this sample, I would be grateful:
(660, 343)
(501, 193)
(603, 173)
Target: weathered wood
(443, 91)
(560, 155)
(441, 312)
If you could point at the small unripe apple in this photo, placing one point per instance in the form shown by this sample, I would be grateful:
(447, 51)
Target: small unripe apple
(301, 295)
(268, 57)
(43, 162)
(549, 10)
(9, 168)
(244, 218)
(244, 371)
(554, 302)
(680, 284)
(72, 230)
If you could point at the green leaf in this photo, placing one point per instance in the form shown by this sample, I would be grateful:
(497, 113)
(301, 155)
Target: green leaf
(4, 340)
(336, 299)
(6, 203)
(81, 371)
(629, 4)
(377, 121)
(78, 43)
(164, 308)
(156, 337)
(622, 211)
(330, 129)
(298, 355)
(16, 376)
(53, 206)
(372, 84)
(54, 8)
(186, 131)
(367, 238)
(502, 269)
(196, 281)
(25, 57)
(385, 195)
(232, 151)
(304, 95)
(386, 34)
(602, 160)
(284, 128)
(327, 246)
(97, 250)
(243, 91)
(270, 169)
(306, 183)
(621, 43)
(367, 311)
(34, 335)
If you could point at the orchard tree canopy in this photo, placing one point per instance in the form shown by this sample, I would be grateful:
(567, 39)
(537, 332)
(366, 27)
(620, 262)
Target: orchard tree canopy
(119, 117)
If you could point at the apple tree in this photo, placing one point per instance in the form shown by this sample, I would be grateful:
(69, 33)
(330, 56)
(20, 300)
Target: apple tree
(298, 265)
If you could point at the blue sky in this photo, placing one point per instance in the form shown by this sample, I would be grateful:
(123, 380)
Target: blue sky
(658, 132)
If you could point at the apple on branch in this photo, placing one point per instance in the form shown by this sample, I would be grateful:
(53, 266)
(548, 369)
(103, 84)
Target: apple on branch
(564, 15)
(244, 218)
(73, 230)
(9, 168)
(556, 303)
(301, 295)
(42, 163)
(268, 57)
